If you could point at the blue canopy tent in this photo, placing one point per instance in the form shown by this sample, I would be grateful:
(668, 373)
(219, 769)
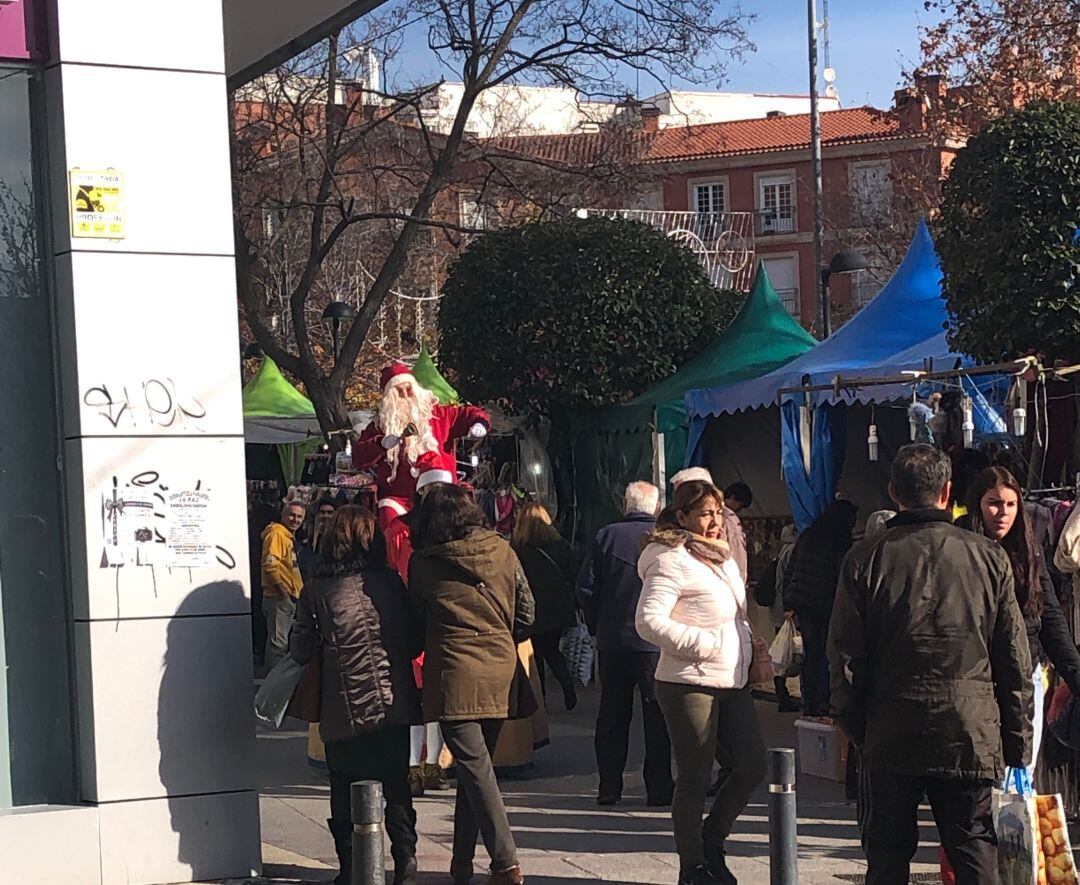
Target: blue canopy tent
(900, 329)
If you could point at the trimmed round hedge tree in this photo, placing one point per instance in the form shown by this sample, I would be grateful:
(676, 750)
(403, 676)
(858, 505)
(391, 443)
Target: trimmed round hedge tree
(559, 316)
(1007, 237)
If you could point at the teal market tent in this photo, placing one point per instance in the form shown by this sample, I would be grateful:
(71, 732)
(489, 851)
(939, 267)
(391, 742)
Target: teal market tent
(617, 445)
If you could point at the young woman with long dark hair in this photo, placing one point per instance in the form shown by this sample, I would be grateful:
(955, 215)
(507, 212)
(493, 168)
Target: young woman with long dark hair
(550, 568)
(355, 615)
(996, 509)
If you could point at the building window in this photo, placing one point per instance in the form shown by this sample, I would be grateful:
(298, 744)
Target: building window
(783, 272)
(776, 204)
(471, 214)
(708, 201)
(709, 198)
(870, 193)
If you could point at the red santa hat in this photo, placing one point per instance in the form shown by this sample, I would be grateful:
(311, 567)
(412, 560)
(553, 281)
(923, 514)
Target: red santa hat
(395, 374)
(429, 476)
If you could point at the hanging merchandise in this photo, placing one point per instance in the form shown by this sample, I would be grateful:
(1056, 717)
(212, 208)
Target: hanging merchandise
(919, 417)
(872, 442)
(968, 425)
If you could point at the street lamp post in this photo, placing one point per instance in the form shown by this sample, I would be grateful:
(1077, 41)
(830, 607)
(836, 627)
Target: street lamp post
(336, 314)
(815, 154)
(847, 261)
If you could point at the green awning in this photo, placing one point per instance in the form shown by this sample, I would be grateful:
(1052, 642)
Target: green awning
(762, 337)
(270, 395)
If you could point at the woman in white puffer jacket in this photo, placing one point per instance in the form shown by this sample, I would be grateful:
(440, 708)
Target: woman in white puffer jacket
(693, 607)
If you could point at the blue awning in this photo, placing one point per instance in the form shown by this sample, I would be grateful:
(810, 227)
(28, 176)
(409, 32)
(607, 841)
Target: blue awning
(903, 324)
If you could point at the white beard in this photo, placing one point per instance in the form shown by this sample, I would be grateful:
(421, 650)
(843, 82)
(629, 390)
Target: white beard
(398, 412)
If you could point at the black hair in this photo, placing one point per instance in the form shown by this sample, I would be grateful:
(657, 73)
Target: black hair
(445, 513)
(739, 491)
(1019, 543)
(919, 473)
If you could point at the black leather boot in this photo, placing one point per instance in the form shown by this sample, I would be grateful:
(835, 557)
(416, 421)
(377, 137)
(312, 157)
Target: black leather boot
(342, 833)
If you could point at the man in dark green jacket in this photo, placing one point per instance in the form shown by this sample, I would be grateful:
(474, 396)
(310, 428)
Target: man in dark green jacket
(930, 676)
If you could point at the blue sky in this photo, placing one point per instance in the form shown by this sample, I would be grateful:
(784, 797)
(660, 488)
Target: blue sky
(871, 42)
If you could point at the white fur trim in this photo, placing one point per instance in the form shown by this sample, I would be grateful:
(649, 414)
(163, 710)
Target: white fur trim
(399, 379)
(391, 504)
(430, 476)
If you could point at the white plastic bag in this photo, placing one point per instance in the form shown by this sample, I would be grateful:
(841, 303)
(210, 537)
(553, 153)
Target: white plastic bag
(272, 698)
(786, 650)
(578, 649)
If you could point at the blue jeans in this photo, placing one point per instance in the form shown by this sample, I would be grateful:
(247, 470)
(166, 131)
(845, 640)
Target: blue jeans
(815, 666)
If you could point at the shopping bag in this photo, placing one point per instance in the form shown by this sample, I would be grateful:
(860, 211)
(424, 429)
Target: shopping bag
(306, 702)
(786, 650)
(272, 698)
(1056, 863)
(578, 649)
(1016, 821)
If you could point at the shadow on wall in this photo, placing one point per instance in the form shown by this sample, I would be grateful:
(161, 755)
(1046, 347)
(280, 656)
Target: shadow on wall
(206, 734)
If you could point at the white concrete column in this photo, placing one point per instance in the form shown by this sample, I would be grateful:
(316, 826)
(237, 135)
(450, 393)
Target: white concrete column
(151, 408)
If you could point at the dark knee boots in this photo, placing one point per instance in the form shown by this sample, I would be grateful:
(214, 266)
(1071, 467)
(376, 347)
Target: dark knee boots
(342, 833)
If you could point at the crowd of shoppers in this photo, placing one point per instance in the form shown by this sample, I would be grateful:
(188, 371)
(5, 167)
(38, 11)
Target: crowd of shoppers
(928, 642)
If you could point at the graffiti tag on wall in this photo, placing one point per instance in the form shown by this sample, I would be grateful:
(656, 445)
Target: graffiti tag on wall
(151, 403)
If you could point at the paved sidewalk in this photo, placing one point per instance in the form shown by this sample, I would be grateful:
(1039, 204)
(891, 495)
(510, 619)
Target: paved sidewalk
(562, 835)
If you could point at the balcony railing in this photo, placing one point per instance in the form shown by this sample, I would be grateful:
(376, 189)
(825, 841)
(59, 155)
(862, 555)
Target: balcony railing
(775, 221)
(790, 299)
(722, 241)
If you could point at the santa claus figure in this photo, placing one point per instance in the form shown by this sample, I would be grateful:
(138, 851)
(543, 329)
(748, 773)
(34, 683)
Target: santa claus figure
(411, 441)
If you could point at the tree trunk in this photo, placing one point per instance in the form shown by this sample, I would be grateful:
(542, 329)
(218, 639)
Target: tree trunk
(333, 416)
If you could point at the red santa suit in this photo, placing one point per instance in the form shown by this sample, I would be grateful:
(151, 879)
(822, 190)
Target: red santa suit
(448, 424)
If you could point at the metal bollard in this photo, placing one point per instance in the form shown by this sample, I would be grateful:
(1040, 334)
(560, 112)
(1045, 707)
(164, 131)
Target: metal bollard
(368, 862)
(783, 840)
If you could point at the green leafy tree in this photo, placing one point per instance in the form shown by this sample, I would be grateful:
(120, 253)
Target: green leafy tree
(1007, 236)
(556, 317)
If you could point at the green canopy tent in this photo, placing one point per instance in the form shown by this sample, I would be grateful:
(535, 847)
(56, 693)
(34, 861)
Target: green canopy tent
(647, 436)
(277, 414)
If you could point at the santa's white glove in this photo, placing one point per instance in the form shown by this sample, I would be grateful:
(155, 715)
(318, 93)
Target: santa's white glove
(478, 431)
(390, 441)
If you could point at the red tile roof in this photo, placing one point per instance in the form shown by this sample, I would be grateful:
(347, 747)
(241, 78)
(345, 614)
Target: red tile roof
(737, 137)
(768, 134)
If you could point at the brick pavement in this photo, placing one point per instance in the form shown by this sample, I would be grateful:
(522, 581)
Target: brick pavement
(562, 835)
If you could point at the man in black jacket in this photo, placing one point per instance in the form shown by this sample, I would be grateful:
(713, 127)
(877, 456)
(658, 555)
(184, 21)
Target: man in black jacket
(930, 676)
(608, 590)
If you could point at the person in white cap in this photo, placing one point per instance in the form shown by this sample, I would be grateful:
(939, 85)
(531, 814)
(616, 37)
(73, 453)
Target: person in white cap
(733, 530)
(411, 441)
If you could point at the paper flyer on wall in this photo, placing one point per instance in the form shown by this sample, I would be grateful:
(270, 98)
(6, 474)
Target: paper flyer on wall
(128, 526)
(188, 541)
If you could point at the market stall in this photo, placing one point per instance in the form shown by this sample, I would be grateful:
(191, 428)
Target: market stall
(647, 437)
(773, 426)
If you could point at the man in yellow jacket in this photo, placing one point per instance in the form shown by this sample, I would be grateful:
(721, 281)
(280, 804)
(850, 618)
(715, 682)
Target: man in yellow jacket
(281, 581)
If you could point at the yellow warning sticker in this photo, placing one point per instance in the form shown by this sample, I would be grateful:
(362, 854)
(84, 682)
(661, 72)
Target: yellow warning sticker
(97, 204)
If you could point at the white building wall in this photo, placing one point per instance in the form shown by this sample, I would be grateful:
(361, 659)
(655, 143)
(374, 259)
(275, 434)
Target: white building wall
(551, 110)
(679, 108)
(151, 406)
